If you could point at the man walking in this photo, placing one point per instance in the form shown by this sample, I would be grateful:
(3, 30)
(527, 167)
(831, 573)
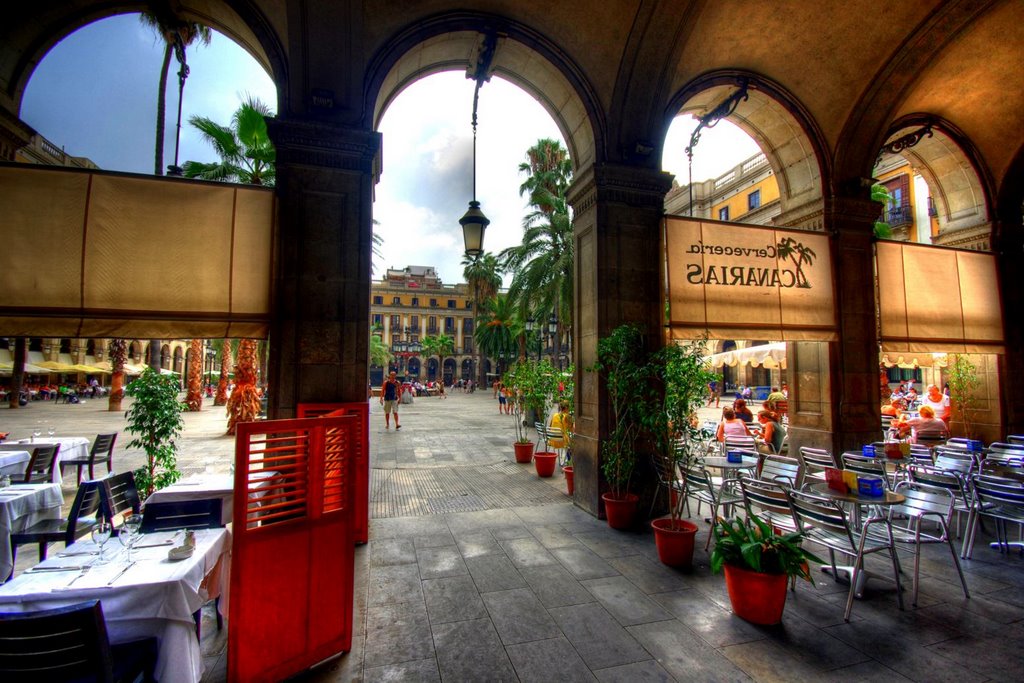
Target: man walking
(389, 394)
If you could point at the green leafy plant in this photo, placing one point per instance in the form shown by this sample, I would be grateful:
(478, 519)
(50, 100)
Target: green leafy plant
(533, 383)
(963, 379)
(752, 544)
(155, 420)
(881, 195)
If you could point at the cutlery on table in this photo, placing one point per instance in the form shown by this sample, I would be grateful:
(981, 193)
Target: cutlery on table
(155, 544)
(121, 573)
(68, 568)
(85, 570)
(78, 553)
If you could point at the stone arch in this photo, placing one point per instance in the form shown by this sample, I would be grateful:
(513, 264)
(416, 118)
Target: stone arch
(523, 56)
(432, 368)
(783, 129)
(179, 360)
(959, 183)
(449, 370)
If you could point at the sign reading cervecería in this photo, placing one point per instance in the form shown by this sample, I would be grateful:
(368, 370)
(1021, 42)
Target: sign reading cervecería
(751, 282)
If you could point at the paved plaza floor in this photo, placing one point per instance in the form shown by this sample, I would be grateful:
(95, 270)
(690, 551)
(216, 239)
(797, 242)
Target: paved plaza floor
(477, 570)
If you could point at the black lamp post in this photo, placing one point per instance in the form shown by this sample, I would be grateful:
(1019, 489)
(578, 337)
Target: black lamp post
(211, 356)
(474, 222)
(533, 326)
(556, 350)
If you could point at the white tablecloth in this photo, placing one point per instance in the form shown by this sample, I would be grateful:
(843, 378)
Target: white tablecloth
(202, 486)
(13, 464)
(21, 506)
(70, 447)
(155, 597)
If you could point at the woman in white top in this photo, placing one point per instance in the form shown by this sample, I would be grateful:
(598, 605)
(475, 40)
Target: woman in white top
(731, 426)
(938, 402)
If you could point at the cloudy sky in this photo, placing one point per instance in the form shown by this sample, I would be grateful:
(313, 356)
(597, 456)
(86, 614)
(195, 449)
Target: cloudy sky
(94, 95)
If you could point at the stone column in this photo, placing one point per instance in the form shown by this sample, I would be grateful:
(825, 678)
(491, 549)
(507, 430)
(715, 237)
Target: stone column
(834, 393)
(319, 336)
(617, 232)
(1008, 245)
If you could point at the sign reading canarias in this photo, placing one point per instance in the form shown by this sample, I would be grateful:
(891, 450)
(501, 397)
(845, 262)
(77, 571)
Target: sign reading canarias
(748, 282)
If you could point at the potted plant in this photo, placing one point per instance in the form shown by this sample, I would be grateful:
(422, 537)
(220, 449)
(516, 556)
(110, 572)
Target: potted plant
(566, 394)
(531, 382)
(621, 360)
(155, 420)
(679, 375)
(758, 563)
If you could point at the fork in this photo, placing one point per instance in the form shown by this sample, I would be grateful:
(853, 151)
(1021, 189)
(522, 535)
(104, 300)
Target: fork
(85, 570)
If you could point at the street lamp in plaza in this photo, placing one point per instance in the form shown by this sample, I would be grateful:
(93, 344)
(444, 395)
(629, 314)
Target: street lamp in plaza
(210, 357)
(474, 222)
(405, 349)
(556, 347)
(532, 326)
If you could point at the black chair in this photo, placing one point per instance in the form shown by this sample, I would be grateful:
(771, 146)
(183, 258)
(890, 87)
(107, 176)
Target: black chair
(40, 467)
(185, 514)
(102, 449)
(119, 496)
(69, 644)
(81, 519)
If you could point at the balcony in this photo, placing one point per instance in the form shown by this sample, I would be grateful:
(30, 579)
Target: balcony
(932, 211)
(897, 216)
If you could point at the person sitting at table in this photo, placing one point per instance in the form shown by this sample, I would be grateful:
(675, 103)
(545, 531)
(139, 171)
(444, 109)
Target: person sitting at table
(560, 427)
(773, 398)
(772, 433)
(739, 406)
(731, 425)
(938, 402)
(894, 407)
(927, 426)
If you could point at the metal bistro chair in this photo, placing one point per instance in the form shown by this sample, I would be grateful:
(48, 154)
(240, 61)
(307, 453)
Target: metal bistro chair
(102, 450)
(699, 484)
(767, 499)
(825, 522)
(80, 521)
(668, 479)
(1001, 499)
(733, 443)
(869, 467)
(951, 480)
(40, 467)
(781, 468)
(924, 502)
(119, 496)
(1015, 439)
(69, 644)
(204, 513)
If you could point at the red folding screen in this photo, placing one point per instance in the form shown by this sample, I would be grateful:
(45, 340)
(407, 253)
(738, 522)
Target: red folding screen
(361, 512)
(292, 552)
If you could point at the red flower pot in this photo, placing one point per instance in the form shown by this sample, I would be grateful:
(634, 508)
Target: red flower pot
(568, 479)
(674, 543)
(758, 598)
(545, 462)
(620, 511)
(524, 451)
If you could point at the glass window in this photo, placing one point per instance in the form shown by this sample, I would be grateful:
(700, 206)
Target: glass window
(467, 326)
(396, 321)
(396, 301)
(415, 301)
(378, 301)
(449, 325)
(467, 345)
(754, 200)
(414, 320)
(469, 304)
(433, 303)
(451, 303)
(723, 213)
(378, 319)
(432, 324)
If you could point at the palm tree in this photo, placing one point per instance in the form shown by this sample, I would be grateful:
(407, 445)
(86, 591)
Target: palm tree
(483, 275)
(174, 32)
(379, 354)
(246, 153)
(548, 170)
(497, 327)
(226, 364)
(194, 393)
(118, 355)
(244, 404)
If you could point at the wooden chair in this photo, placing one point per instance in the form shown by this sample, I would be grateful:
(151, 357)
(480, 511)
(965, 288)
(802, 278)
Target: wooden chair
(102, 449)
(204, 513)
(40, 467)
(80, 521)
(69, 644)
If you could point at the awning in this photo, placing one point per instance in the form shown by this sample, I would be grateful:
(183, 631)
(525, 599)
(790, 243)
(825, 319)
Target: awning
(764, 355)
(7, 369)
(912, 361)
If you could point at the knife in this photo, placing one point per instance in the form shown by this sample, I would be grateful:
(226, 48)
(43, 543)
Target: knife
(121, 573)
(69, 568)
(157, 544)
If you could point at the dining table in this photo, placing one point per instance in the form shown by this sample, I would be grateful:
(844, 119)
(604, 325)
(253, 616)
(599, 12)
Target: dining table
(723, 463)
(14, 463)
(71, 447)
(21, 506)
(151, 596)
(222, 486)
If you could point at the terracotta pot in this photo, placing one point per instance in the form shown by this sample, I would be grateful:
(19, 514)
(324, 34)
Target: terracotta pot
(620, 511)
(569, 484)
(758, 598)
(524, 451)
(545, 462)
(674, 543)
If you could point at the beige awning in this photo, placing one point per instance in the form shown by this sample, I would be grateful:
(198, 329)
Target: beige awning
(133, 256)
(771, 355)
(732, 281)
(936, 299)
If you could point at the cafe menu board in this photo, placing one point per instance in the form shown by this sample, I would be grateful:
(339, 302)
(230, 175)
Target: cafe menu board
(737, 281)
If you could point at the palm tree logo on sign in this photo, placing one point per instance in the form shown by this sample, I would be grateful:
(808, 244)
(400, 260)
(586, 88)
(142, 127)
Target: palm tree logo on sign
(799, 255)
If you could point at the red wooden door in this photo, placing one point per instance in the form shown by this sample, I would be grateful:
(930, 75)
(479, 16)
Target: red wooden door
(361, 511)
(292, 551)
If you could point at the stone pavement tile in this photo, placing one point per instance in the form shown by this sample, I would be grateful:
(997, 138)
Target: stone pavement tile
(708, 620)
(582, 563)
(390, 551)
(471, 651)
(477, 543)
(542, 515)
(465, 522)
(638, 672)
(434, 540)
(865, 672)
(609, 544)
(437, 562)
(422, 671)
(964, 621)
(396, 634)
(553, 536)
(556, 587)
(494, 573)
(452, 598)
(766, 661)
(518, 616)
(407, 527)
(651, 576)
(997, 658)
(527, 552)
(812, 607)
(396, 584)
(805, 641)
(683, 654)
(510, 531)
(624, 601)
(597, 637)
(895, 647)
(548, 660)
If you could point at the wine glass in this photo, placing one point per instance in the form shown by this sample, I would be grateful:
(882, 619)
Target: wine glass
(129, 532)
(100, 535)
(50, 430)
(37, 431)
